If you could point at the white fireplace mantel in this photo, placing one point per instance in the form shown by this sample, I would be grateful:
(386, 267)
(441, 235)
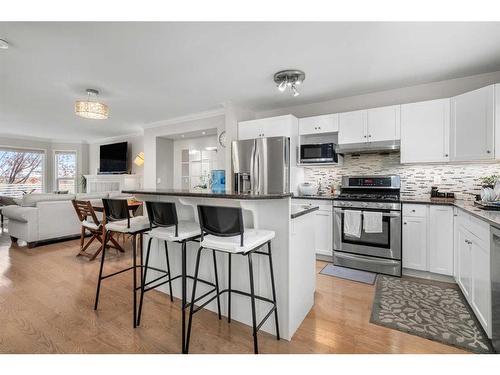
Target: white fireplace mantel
(97, 183)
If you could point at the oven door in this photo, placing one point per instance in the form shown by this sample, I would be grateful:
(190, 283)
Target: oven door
(386, 244)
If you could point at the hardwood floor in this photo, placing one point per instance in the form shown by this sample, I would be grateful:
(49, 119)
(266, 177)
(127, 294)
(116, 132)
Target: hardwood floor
(46, 306)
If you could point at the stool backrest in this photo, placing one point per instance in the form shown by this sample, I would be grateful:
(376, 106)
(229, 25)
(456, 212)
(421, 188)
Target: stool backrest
(116, 209)
(84, 209)
(221, 221)
(162, 214)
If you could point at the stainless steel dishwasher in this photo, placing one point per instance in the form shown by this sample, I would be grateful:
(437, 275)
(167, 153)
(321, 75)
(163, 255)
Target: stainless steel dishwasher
(495, 287)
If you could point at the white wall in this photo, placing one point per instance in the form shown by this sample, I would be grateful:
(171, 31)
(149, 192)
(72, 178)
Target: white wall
(198, 143)
(214, 120)
(135, 145)
(164, 166)
(49, 147)
(434, 90)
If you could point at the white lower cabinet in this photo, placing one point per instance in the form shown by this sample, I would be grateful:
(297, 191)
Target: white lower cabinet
(441, 240)
(473, 266)
(324, 231)
(323, 224)
(428, 238)
(415, 243)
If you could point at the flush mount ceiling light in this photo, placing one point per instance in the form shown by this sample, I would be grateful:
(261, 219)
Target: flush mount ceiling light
(91, 108)
(4, 44)
(289, 79)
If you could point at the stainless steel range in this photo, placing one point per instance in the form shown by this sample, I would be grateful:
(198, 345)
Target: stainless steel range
(376, 250)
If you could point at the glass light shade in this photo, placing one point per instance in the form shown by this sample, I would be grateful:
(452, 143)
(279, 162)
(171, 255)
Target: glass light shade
(91, 110)
(139, 159)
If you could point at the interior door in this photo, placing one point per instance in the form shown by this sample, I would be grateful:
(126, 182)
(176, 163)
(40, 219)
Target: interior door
(472, 122)
(352, 127)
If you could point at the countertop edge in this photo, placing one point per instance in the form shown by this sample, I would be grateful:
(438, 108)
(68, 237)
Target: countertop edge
(209, 195)
(304, 212)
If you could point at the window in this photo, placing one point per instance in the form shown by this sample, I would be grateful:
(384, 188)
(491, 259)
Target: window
(65, 171)
(21, 171)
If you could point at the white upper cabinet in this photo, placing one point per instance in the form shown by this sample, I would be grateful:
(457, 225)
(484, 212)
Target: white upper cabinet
(472, 124)
(281, 126)
(370, 125)
(319, 124)
(425, 131)
(383, 124)
(353, 127)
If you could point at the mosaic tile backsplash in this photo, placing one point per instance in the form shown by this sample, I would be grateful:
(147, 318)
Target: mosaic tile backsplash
(416, 180)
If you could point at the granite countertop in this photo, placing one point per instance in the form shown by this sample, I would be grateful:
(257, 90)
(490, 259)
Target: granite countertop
(199, 194)
(437, 201)
(302, 209)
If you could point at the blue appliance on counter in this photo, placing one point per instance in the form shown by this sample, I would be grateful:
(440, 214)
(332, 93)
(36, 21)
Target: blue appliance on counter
(218, 180)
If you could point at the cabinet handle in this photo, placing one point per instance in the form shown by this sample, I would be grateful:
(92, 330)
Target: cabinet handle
(369, 135)
(488, 151)
(445, 155)
(364, 136)
(404, 223)
(412, 210)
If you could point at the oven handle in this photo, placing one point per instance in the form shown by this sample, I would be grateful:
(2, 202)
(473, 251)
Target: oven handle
(395, 214)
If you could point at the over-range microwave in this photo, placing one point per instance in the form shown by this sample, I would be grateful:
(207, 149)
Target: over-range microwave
(318, 153)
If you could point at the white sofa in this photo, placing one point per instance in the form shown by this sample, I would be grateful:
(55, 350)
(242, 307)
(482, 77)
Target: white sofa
(44, 217)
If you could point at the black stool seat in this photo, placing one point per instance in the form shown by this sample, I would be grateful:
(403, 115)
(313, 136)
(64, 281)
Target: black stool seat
(222, 230)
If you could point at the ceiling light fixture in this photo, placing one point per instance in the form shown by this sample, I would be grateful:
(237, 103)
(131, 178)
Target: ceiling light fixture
(91, 109)
(4, 44)
(289, 78)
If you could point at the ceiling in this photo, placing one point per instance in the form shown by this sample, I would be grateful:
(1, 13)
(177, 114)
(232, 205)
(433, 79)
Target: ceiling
(149, 72)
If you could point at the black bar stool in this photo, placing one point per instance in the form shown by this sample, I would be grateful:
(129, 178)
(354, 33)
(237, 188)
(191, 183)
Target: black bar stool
(118, 220)
(165, 226)
(222, 230)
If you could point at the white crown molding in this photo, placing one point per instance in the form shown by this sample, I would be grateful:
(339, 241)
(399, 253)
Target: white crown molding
(40, 139)
(191, 117)
(115, 138)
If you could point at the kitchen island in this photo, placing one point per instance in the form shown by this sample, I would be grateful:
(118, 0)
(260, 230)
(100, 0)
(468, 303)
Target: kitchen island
(292, 249)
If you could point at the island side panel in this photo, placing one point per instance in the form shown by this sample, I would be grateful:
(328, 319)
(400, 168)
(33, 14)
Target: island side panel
(272, 214)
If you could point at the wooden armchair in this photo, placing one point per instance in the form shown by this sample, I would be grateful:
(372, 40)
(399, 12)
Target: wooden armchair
(87, 216)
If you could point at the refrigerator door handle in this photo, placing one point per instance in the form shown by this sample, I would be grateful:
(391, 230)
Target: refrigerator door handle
(252, 169)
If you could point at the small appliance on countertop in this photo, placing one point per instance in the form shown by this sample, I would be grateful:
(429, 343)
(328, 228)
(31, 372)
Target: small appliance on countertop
(308, 189)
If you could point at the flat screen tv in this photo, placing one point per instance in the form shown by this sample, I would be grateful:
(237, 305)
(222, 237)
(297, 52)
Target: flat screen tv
(113, 158)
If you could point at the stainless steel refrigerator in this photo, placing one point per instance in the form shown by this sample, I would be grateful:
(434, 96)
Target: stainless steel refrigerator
(261, 165)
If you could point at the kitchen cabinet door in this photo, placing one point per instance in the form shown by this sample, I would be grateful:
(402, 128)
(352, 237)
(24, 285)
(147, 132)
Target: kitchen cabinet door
(319, 124)
(425, 131)
(481, 285)
(282, 126)
(249, 130)
(352, 127)
(324, 232)
(415, 243)
(472, 123)
(464, 261)
(383, 123)
(441, 240)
